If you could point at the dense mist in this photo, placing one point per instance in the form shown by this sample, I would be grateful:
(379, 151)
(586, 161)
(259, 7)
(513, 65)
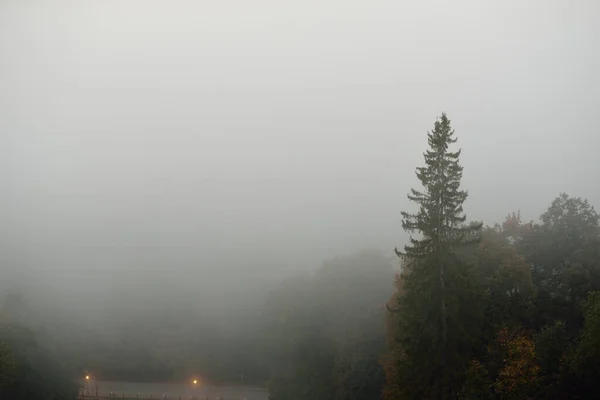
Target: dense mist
(166, 165)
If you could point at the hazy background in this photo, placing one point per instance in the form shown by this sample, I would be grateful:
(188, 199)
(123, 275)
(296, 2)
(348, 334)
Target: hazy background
(215, 147)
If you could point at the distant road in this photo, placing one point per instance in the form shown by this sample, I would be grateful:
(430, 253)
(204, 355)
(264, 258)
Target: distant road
(174, 390)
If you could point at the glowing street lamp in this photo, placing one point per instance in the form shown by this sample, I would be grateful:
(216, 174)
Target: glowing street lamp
(87, 377)
(195, 381)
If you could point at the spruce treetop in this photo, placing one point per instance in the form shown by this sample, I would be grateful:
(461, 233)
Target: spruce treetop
(440, 218)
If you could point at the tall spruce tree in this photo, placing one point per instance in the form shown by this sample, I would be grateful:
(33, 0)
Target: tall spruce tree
(437, 288)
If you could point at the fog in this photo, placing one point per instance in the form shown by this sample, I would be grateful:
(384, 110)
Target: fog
(215, 148)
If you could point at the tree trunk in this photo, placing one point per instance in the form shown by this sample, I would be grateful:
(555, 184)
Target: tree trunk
(444, 330)
(440, 249)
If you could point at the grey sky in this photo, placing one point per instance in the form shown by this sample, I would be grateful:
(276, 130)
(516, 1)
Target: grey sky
(242, 137)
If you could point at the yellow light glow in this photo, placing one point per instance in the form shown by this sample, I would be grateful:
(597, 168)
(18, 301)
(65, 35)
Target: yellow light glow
(87, 377)
(195, 381)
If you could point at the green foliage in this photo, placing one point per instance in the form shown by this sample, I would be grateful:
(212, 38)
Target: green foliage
(439, 312)
(538, 287)
(564, 254)
(7, 367)
(326, 331)
(588, 348)
(421, 366)
(34, 369)
(506, 277)
(154, 338)
(358, 373)
(516, 317)
(585, 362)
(553, 346)
(440, 218)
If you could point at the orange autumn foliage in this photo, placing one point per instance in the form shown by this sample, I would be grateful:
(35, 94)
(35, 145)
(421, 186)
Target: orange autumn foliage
(519, 371)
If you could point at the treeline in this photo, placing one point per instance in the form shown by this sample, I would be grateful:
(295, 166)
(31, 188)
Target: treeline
(325, 331)
(31, 366)
(474, 312)
(509, 311)
(171, 344)
(136, 336)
